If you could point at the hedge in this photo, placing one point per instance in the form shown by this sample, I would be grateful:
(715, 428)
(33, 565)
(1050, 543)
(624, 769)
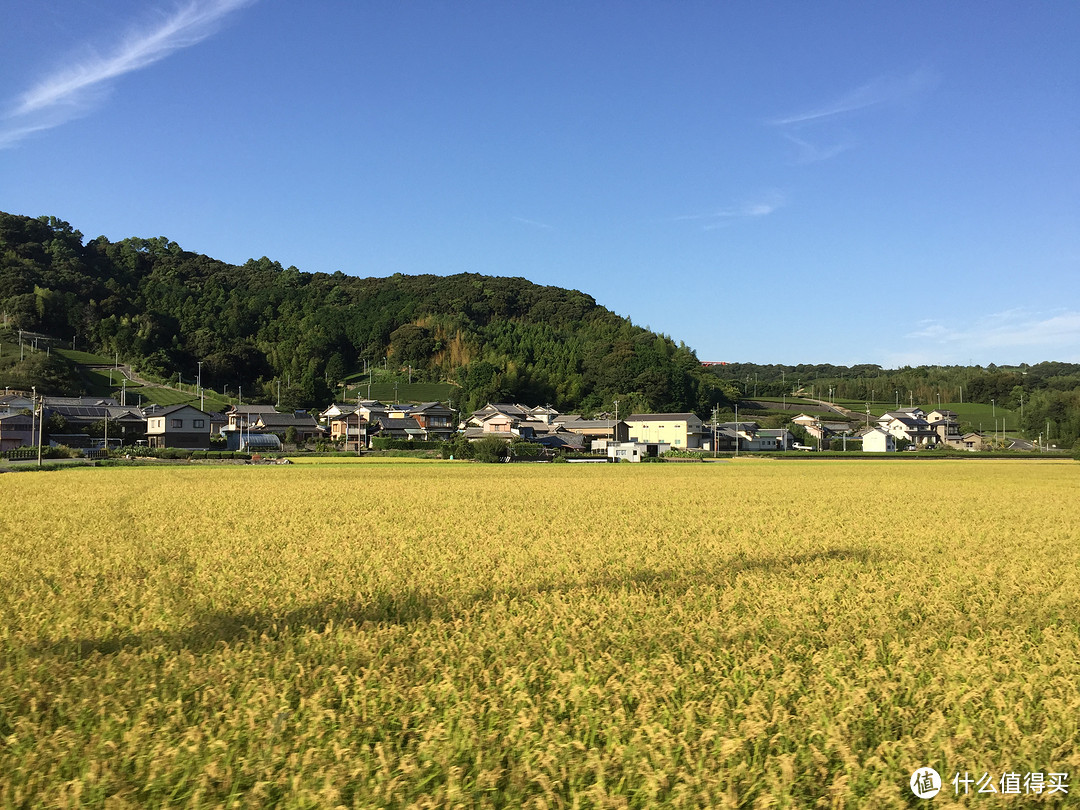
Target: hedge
(386, 443)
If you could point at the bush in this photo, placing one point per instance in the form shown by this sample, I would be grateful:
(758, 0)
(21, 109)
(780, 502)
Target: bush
(490, 450)
(524, 450)
(853, 445)
(386, 443)
(458, 447)
(174, 453)
(560, 460)
(676, 452)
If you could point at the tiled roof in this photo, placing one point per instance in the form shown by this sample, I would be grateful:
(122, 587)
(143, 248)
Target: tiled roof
(655, 417)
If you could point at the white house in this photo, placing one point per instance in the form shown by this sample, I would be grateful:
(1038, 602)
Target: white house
(903, 424)
(876, 440)
(635, 451)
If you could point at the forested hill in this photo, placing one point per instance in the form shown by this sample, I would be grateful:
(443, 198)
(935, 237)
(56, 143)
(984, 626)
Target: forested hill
(165, 309)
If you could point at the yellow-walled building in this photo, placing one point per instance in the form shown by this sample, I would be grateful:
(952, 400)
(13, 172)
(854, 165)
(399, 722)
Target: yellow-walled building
(683, 431)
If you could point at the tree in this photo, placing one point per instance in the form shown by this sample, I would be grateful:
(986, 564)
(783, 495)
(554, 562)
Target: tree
(335, 369)
(411, 344)
(490, 449)
(524, 449)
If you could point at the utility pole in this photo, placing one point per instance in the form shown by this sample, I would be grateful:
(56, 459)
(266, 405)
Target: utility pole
(33, 411)
(613, 428)
(41, 419)
(736, 429)
(716, 429)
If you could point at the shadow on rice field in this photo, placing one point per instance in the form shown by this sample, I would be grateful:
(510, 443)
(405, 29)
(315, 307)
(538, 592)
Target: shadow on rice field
(210, 629)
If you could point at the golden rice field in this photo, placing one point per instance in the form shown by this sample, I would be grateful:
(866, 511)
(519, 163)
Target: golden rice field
(750, 634)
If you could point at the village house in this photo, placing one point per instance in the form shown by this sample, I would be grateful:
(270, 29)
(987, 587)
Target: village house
(909, 424)
(242, 417)
(349, 428)
(597, 431)
(16, 430)
(13, 403)
(878, 440)
(683, 431)
(124, 425)
(772, 439)
(434, 419)
(972, 442)
(634, 452)
(179, 426)
(279, 424)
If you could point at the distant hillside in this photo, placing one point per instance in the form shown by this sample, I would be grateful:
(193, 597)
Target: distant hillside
(259, 325)
(1040, 399)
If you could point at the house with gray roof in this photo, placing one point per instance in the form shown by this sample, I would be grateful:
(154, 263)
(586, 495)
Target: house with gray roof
(179, 426)
(16, 430)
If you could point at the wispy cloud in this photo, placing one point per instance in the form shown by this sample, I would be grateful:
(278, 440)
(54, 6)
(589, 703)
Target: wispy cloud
(75, 88)
(819, 137)
(874, 93)
(1004, 336)
(750, 209)
(532, 223)
(815, 153)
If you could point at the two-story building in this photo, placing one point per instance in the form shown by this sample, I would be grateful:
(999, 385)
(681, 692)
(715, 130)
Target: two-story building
(909, 424)
(179, 426)
(946, 424)
(683, 431)
(243, 417)
(434, 419)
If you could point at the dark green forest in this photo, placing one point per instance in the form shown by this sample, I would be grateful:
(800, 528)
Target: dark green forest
(260, 325)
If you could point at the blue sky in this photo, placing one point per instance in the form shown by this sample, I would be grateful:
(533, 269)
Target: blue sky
(768, 182)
